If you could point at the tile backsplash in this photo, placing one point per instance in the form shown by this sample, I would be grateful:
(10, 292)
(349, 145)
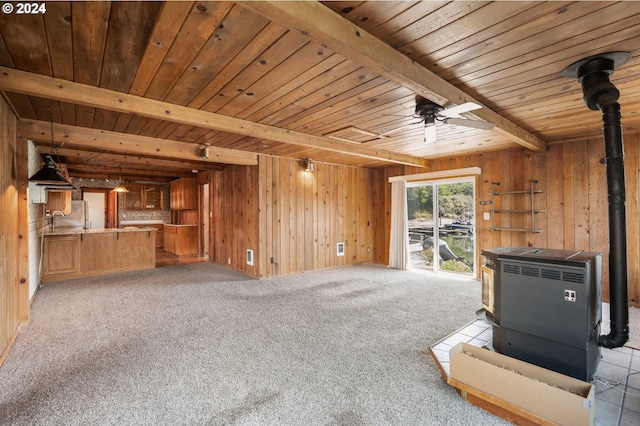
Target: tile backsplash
(128, 215)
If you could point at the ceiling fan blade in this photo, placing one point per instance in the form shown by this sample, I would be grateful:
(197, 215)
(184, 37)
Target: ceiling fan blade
(476, 124)
(460, 109)
(430, 134)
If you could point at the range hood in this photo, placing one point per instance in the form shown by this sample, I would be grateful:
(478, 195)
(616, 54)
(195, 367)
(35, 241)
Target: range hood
(50, 176)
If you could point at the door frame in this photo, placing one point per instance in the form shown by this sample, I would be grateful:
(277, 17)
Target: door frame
(110, 205)
(435, 183)
(470, 172)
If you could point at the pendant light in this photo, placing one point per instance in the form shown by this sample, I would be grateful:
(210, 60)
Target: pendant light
(120, 187)
(50, 175)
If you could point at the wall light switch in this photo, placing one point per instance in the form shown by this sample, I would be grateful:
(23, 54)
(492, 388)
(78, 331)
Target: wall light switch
(486, 215)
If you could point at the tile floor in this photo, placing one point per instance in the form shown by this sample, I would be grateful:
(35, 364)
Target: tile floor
(617, 377)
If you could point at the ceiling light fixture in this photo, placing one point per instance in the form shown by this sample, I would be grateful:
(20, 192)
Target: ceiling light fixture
(120, 187)
(50, 175)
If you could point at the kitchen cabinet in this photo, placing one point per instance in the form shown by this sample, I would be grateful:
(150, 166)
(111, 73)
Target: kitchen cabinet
(159, 235)
(59, 201)
(143, 197)
(84, 253)
(181, 240)
(99, 252)
(183, 194)
(61, 255)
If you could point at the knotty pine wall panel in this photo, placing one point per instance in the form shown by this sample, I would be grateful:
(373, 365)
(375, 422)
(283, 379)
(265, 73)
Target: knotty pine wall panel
(304, 215)
(234, 226)
(13, 303)
(573, 178)
(632, 170)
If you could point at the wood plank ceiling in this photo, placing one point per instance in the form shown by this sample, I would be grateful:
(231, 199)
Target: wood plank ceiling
(138, 88)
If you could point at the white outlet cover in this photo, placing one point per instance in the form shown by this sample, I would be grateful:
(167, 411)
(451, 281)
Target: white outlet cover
(340, 249)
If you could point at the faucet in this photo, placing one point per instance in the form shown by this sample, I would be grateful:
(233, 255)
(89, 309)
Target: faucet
(53, 215)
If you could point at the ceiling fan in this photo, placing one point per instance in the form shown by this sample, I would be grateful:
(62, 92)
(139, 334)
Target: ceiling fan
(430, 113)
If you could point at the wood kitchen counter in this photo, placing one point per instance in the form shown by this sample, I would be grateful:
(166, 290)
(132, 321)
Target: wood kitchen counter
(78, 253)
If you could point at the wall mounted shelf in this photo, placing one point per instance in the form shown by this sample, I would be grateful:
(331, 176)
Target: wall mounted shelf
(531, 210)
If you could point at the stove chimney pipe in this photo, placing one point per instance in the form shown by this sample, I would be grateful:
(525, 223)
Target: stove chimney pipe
(600, 94)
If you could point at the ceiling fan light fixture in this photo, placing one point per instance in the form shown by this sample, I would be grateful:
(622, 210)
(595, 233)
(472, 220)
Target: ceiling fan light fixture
(430, 120)
(430, 134)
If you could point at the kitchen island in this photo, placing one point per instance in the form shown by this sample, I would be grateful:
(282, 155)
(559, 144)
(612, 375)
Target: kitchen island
(78, 253)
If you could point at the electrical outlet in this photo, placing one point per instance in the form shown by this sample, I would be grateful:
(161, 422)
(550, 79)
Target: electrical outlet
(340, 249)
(249, 257)
(486, 215)
(229, 261)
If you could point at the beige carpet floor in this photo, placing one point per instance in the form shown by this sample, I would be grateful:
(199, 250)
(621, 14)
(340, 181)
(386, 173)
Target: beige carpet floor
(199, 344)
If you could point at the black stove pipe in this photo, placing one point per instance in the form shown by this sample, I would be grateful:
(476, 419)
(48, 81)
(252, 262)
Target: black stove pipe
(600, 94)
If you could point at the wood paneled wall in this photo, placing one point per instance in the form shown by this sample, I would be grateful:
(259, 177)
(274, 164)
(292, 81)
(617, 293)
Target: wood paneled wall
(304, 215)
(14, 266)
(294, 217)
(234, 225)
(572, 177)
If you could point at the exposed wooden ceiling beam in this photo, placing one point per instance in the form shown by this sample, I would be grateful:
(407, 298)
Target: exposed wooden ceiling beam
(340, 35)
(130, 178)
(147, 165)
(131, 144)
(112, 172)
(13, 80)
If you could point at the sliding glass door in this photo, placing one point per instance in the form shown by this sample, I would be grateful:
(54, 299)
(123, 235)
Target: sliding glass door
(440, 217)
